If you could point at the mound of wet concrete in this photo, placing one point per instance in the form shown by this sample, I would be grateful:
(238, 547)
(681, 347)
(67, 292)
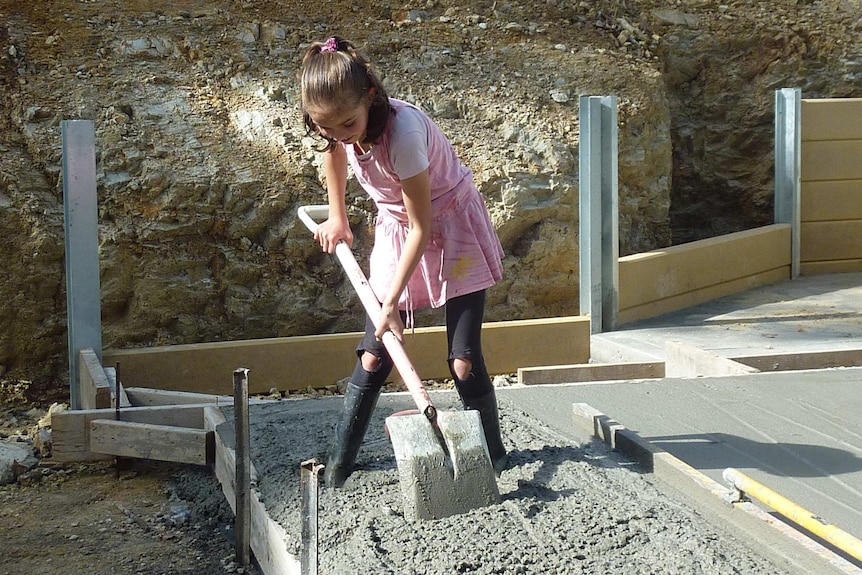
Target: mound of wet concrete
(566, 507)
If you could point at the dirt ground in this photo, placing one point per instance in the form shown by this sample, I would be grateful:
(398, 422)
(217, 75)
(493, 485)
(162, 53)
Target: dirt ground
(150, 518)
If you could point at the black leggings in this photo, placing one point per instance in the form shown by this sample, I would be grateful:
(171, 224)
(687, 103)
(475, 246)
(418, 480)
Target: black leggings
(464, 316)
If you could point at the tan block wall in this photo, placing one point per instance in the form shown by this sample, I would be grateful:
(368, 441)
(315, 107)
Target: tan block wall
(677, 277)
(831, 202)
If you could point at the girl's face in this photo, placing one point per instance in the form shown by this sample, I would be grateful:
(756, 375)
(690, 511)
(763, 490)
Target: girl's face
(345, 125)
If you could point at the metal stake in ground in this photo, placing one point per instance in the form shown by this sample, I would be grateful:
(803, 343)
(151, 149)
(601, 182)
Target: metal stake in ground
(309, 481)
(242, 526)
(117, 412)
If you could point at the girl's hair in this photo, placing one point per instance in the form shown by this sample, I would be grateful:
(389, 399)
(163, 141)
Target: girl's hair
(335, 72)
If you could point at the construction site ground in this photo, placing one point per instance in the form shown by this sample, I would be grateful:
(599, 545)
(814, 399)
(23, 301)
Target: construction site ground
(571, 506)
(568, 505)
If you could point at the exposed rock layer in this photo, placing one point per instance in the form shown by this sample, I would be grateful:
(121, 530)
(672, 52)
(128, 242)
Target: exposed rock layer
(202, 160)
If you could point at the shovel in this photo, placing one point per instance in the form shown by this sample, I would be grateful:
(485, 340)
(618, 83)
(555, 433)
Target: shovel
(443, 462)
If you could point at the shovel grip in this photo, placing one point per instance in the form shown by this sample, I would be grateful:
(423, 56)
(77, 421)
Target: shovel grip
(309, 215)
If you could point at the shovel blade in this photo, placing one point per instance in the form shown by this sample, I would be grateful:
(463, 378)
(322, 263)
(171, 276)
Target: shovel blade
(445, 473)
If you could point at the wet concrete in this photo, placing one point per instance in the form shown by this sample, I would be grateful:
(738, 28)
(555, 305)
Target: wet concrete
(567, 506)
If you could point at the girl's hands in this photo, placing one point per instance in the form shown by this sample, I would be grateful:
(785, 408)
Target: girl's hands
(390, 320)
(332, 231)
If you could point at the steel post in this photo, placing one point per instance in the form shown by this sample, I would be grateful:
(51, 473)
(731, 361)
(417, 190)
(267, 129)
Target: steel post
(598, 211)
(83, 306)
(788, 167)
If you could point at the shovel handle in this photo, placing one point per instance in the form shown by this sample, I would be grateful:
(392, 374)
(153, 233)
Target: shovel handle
(309, 216)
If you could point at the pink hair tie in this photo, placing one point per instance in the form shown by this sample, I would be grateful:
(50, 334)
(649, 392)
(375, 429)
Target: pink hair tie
(331, 45)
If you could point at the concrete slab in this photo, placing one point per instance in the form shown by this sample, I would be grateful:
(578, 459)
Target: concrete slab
(812, 313)
(798, 433)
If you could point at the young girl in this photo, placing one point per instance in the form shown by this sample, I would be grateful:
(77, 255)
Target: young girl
(434, 243)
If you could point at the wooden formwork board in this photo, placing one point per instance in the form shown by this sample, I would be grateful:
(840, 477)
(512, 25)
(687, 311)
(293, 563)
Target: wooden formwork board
(268, 538)
(746, 258)
(297, 363)
(590, 372)
(98, 386)
(832, 200)
(830, 241)
(148, 441)
(830, 267)
(831, 160)
(70, 430)
(831, 119)
(142, 396)
(794, 361)
(669, 279)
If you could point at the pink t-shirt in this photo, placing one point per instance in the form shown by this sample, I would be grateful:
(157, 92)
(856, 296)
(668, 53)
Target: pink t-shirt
(464, 254)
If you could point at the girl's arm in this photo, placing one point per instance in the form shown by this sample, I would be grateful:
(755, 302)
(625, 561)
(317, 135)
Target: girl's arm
(416, 192)
(336, 227)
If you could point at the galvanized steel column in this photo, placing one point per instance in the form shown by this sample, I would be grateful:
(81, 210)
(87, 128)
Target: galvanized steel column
(788, 167)
(83, 307)
(598, 208)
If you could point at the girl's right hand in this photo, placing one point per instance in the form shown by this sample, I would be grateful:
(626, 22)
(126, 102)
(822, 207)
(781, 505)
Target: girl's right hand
(332, 231)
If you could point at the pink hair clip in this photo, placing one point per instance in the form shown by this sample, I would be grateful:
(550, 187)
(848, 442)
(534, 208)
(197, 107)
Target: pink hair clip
(331, 45)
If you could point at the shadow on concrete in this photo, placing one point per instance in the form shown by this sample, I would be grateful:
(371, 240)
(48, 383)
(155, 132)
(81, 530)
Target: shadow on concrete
(722, 450)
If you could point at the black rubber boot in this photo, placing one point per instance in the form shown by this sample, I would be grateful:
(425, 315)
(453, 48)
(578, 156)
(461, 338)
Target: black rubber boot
(358, 406)
(486, 405)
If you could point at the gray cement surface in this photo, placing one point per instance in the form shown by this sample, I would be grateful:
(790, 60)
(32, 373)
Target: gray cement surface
(567, 506)
(799, 433)
(810, 313)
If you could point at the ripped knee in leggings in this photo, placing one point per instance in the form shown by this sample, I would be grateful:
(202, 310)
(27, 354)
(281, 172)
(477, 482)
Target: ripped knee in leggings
(461, 368)
(370, 362)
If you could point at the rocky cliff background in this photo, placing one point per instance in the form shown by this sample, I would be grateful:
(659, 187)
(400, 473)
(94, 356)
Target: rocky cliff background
(202, 159)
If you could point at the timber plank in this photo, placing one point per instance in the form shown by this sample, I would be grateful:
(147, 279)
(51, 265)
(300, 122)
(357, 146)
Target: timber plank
(111, 372)
(832, 160)
(142, 396)
(831, 119)
(827, 241)
(836, 267)
(297, 363)
(702, 264)
(268, 538)
(148, 441)
(70, 430)
(590, 372)
(689, 299)
(93, 381)
(831, 200)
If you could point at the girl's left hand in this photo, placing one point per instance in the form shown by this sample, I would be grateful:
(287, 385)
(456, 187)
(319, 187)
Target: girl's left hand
(390, 320)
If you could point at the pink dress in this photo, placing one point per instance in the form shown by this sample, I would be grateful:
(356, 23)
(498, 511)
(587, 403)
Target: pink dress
(464, 254)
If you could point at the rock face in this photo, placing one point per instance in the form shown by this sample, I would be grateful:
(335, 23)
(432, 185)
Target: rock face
(202, 159)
